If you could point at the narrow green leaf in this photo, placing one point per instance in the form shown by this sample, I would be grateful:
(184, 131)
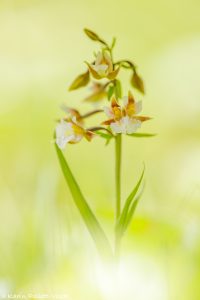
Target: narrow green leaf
(110, 92)
(93, 36)
(88, 216)
(118, 89)
(123, 219)
(105, 136)
(107, 142)
(80, 81)
(132, 210)
(141, 135)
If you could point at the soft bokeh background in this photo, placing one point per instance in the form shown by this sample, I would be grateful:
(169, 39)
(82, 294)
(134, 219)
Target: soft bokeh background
(44, 246)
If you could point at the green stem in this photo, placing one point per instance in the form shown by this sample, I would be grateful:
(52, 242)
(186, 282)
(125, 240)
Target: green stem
(118, 152)
(118, 149)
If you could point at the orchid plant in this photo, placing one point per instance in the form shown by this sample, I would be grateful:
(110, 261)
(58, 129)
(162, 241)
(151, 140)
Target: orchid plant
(121, 116)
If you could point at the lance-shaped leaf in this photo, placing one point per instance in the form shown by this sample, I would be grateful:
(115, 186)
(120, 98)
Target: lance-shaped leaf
(132, 210)
(88, 216)
(124, 217)
(118, 89)
(137, 82)
(80, 81)
(105, 136)
(110, 92)
(142, 135)
(93, 36)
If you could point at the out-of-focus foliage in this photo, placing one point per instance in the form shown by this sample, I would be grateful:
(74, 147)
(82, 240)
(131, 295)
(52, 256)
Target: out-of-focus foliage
(44, 246)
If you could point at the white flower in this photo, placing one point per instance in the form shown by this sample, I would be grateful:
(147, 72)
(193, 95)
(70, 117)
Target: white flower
(124, 119)
(103, 64)
(71, 132)
(64, 134)
(103, 67)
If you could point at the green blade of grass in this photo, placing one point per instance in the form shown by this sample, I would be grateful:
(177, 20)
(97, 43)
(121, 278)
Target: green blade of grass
(124, 217)
(88, 216)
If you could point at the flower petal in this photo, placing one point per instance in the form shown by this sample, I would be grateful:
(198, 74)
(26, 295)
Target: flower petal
(108, 61)
(99, 58)
(108, 122)
(114, 102)
(112, 75)
(108, 112)
(138, 107)
(117, 127)
(142, 118)
(125, 100)
(61, 141)
(93, 72)
(100, 69)
(89, 135)
(64, 133)
(76, 138)
(62, 127)
(133, 126)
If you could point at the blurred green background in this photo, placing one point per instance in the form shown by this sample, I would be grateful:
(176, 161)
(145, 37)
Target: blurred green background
(44, 246)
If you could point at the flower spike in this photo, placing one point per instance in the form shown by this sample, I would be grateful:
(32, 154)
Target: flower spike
(122, 118)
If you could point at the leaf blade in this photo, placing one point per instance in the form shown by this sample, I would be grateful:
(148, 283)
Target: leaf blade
(110, 92)
(105, 136)
(120, 227)
(80, 81)
(89, 218)
(132, 210)
(118, 89)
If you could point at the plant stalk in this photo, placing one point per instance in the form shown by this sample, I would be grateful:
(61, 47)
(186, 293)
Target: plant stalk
(118, 152)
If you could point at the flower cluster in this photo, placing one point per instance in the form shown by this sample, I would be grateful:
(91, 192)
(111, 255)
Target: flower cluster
(122, 112)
